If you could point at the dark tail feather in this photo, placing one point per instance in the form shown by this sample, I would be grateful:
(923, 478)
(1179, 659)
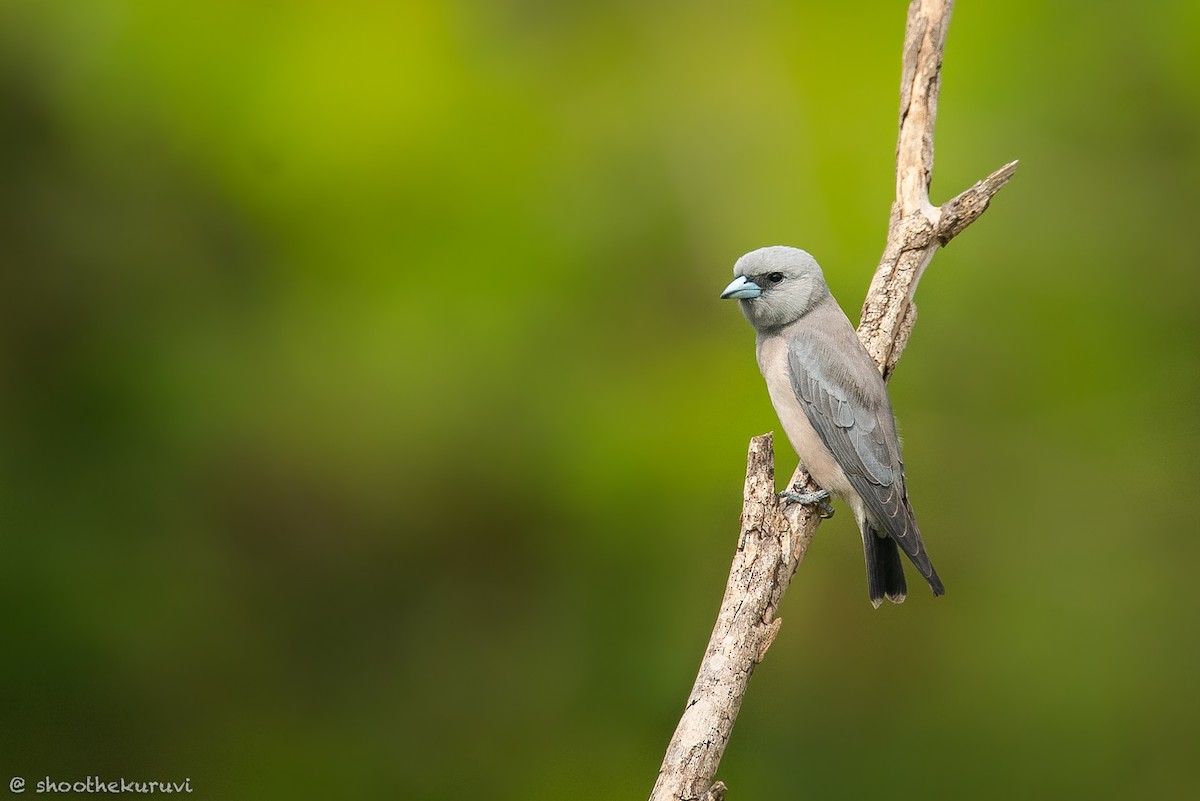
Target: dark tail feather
(885, 572)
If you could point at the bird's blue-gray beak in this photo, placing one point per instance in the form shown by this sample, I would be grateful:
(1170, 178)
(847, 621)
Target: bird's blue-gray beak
(742, 288)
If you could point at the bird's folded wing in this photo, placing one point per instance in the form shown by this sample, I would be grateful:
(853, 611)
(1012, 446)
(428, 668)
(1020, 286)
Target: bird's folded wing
(854, 419)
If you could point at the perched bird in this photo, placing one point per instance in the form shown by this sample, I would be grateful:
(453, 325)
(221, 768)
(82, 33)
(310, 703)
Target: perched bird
(834, 408)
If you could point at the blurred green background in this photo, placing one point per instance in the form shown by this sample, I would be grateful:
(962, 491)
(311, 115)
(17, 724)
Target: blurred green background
(371, 426)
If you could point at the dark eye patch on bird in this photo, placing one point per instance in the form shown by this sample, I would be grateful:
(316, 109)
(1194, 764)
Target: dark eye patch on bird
(775, 278)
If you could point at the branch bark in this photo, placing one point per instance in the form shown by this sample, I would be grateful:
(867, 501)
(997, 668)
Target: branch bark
(775, 537)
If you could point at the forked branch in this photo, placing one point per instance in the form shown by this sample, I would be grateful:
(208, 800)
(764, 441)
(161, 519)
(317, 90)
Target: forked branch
(774, 537)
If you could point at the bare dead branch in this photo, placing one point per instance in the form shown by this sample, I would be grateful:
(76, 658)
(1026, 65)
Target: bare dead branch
(774, 538)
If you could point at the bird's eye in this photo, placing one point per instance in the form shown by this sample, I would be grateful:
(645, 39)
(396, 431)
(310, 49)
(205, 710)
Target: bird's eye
(775, 278)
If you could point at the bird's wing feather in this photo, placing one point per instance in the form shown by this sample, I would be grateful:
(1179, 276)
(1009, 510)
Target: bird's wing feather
(847, 404)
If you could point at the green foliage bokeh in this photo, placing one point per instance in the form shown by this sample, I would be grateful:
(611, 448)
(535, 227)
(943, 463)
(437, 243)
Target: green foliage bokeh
(371, 427)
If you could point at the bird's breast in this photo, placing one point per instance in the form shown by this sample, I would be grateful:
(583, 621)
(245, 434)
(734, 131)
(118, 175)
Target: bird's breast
(817, 459)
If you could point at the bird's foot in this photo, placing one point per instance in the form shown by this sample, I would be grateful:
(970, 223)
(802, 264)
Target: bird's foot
(820, 499)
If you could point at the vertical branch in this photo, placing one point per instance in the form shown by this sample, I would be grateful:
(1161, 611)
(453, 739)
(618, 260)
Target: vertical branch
(917, 228)
(772, 542)
(774, 538)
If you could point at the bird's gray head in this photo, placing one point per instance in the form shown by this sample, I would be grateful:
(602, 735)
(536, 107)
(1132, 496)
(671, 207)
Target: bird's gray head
(776, 286)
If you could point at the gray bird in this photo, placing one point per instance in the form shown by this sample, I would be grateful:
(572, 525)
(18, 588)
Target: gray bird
(834, 408)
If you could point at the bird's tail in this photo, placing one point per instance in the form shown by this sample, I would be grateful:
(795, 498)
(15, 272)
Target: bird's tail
(885, 572)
